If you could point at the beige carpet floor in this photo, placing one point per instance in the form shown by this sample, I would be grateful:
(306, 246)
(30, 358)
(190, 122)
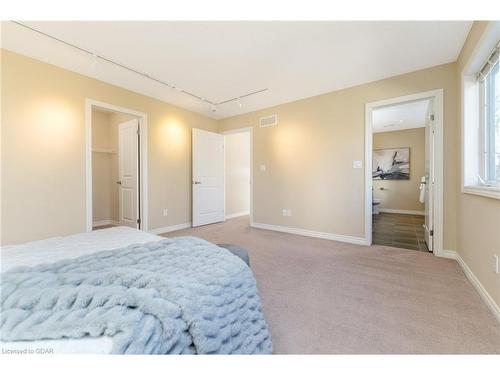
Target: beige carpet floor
(327, 297)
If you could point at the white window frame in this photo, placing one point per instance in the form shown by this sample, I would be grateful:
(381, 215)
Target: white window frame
(473, 125)
(483, 128)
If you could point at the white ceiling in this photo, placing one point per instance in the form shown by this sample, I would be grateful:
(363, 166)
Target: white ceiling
(400, 117)
(222, 60)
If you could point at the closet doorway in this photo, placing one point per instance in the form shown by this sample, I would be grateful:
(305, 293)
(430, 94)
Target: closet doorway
(116, 178)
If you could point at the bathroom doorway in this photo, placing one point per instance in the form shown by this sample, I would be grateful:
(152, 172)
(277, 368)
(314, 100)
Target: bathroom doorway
(401, 172)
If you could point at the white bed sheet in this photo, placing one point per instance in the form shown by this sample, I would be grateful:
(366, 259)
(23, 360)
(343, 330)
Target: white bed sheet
(58, 248)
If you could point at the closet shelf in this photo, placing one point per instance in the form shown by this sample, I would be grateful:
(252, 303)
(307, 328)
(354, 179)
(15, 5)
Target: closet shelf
(104, 150)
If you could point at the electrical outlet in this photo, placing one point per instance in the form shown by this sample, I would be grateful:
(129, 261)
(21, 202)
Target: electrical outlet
(286, 212)
(262, 167)
(495, 263)
(165, 212)
(283, 211)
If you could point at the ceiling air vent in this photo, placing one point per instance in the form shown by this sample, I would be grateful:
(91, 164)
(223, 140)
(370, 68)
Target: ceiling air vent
(268, 121)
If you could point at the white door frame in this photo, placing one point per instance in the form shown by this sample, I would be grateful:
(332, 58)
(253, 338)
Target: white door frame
(234, 131)
(437, 100)
(143, 169)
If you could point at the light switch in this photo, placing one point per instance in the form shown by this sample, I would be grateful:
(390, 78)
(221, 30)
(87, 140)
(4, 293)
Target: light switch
(357, 164)
(262, 167)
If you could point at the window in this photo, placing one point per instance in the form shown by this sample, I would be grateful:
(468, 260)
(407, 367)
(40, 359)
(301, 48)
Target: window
(489, 84)
(481, 118)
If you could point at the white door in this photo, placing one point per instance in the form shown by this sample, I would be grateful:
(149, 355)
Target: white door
(208, 177)
(128, 172)
(429, 179)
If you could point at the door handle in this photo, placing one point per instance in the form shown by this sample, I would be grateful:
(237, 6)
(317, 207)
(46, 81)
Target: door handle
(196, 182)
(119, 182)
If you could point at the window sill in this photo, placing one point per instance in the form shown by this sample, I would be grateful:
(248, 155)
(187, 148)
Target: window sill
(485, 191)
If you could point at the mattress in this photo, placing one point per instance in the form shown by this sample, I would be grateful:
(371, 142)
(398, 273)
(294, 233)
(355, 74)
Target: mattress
(58, 248)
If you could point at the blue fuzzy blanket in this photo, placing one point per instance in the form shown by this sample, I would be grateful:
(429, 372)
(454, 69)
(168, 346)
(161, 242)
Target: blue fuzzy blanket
(181, 295)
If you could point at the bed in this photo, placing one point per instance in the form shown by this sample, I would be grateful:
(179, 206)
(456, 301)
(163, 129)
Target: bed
(82, 251)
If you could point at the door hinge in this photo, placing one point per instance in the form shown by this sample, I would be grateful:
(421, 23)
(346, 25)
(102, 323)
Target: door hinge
(432, 117)
(431, 233)
(138, 132)
(138, 221)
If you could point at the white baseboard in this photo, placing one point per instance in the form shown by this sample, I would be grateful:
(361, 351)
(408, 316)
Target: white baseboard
(405, 212)
(311, 233)
(448, 254)
(490, 302)
(232, 216)
(171, 228)
(100, 223)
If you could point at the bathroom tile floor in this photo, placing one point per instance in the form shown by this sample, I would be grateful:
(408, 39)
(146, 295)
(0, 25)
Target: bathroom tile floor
(399, 230)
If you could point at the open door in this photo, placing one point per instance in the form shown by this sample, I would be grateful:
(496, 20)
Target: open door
(208, 177)
(429, 178)
(128, 172)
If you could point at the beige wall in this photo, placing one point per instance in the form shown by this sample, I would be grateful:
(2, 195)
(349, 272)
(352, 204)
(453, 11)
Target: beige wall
(309, 154)
(478, 217)
(237, 157)
(402, 194)
(43, 150)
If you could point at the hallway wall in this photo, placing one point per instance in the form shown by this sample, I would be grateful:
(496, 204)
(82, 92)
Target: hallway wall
(402, 194)
(237, 156)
